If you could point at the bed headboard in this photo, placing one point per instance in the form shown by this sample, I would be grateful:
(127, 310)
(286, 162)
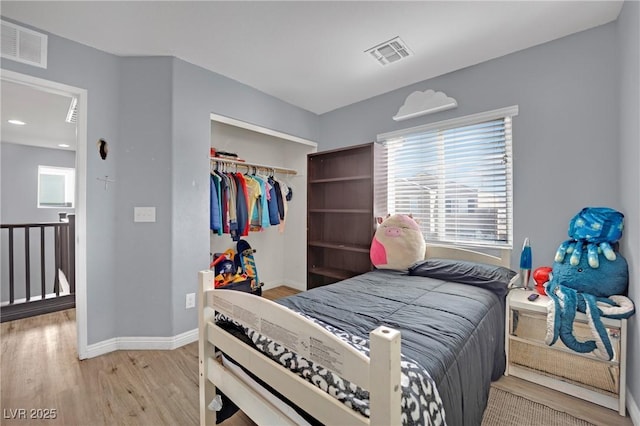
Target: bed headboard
(456, 253)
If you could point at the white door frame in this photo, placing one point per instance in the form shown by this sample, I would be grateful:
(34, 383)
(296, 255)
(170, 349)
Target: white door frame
(81, 191)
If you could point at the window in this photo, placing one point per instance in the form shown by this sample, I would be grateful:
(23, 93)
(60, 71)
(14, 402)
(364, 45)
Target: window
(56, 187)
(455, 177)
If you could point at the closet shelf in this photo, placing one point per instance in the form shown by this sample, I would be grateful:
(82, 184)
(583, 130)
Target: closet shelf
(254, 165)
(340, 274)
(340, 246)
(341, 179)
(342, 211)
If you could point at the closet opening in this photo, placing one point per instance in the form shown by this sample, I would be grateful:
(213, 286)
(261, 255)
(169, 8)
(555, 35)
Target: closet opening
(261, 154)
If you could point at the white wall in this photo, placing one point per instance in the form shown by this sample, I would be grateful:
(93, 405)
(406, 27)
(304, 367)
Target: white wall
(280, 257)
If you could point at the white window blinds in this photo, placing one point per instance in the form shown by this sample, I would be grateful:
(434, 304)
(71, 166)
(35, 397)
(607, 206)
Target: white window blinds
(455, 177)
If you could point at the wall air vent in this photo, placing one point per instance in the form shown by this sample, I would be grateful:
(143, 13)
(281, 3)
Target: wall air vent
(390, 51)
(24, 45)
(72, 114)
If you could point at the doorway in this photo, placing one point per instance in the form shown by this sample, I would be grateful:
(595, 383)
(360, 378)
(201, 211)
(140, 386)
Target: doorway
(80, 190)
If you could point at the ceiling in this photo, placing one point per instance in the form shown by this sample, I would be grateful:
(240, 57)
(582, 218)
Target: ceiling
(43, 113)
(312, 53)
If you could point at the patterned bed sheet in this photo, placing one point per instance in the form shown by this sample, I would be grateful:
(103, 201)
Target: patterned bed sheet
(420, 401)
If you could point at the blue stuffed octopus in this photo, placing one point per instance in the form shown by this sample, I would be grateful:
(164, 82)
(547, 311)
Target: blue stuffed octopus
(595, 227)
(592, 284)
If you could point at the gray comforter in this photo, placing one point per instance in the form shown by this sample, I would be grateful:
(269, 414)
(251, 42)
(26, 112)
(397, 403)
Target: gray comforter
(455, 331)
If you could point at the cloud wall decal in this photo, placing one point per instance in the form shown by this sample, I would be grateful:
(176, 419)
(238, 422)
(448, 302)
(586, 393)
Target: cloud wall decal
(422, 103)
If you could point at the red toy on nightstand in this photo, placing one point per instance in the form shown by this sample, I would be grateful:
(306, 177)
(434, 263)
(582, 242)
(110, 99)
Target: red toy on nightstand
(541, 276)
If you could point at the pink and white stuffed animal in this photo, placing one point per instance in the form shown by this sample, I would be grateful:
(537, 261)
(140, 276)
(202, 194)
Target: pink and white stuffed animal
(397, 244)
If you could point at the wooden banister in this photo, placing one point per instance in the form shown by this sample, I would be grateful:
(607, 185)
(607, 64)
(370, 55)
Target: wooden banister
(62, 242)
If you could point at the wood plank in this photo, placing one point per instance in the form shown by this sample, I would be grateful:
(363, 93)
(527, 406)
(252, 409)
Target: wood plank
(341, 246)
(207, 390)
(341, 179)
(279, 292)
(245, 397)
(339, 274)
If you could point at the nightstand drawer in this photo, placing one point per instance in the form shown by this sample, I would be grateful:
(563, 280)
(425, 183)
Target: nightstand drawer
(532, 327)
(569, 367)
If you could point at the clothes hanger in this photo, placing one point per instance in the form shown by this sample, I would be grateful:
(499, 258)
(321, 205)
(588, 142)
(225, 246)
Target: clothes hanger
(260, 174)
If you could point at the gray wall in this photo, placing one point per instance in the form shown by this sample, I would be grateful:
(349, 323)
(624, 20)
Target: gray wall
(19, 194)
(142, 155)
(196, 94)
(155, 114)
(19, 185)
(566, 130)
(629, 175)
(81, 66)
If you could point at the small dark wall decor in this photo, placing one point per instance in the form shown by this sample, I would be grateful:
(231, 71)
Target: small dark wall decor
(103, 148)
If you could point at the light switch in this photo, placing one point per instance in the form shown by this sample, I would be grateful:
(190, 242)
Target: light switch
(144, 214)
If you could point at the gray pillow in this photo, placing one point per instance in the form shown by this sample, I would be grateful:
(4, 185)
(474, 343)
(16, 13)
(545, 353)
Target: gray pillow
(494, 278)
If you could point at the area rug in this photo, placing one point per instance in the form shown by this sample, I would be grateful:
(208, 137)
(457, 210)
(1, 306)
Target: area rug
(507, 409)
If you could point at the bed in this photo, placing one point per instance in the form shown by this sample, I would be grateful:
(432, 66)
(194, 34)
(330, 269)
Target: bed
(384, 348)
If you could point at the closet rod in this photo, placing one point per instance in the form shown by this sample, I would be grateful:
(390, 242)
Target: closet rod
(258, 166)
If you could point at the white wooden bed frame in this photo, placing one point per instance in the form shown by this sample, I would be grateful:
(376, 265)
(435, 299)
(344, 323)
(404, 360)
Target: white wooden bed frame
(380, 373)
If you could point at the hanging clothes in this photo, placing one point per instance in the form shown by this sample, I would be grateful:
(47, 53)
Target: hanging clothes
(260, 218)
(284, 191)
(224, 185)
(243, 203)
(215, 209)
(253, 194)
(274, 215)
(234, 207)
(279, 198)
(242, 207)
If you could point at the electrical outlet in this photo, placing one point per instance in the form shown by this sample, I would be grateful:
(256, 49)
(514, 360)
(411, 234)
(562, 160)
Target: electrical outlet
(191, 300)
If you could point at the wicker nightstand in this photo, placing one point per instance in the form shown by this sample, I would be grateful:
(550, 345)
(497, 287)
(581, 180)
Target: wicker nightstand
(581, 375)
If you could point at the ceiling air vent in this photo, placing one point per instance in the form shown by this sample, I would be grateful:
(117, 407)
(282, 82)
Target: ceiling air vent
(390, 51)
(72, 114)
(24, 45)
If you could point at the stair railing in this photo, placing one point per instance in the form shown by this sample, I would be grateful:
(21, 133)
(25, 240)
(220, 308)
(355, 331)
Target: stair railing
(50, 295)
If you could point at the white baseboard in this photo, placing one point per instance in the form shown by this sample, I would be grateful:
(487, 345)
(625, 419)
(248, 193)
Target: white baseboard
(185, 338)
(142, 343)
(632, 408)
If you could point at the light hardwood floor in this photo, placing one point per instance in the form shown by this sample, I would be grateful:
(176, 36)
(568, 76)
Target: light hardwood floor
(40, 370)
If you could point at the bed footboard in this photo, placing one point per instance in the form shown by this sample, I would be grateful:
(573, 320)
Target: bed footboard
(380, 373)
(205, 351)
